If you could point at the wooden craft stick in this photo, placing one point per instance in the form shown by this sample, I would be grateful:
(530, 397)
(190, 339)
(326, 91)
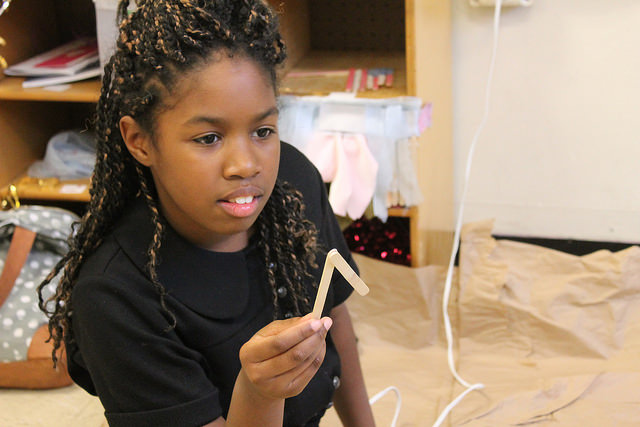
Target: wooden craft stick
(323, 288)
(335, 260)
(345, 269)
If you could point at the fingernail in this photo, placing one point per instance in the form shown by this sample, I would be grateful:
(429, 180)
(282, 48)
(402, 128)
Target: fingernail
(316, 325)
(327, 323)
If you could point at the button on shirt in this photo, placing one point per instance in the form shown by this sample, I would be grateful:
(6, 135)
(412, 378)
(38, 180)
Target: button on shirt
(148, 375)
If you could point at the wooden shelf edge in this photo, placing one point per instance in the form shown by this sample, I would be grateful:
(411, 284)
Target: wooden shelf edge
(403, 212)
(52, 189)
(49, 189)
(85, 91)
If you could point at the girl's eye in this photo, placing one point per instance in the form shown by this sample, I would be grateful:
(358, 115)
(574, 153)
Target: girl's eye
(265, 132)
(208, 139)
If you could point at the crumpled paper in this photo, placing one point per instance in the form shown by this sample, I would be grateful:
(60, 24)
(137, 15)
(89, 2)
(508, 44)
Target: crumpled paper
(554, 338)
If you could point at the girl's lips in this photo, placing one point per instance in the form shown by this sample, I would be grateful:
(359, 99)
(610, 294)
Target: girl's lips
(245, 191)
(240, 210)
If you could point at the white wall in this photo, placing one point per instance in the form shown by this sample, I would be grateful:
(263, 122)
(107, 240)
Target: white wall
(560, 155)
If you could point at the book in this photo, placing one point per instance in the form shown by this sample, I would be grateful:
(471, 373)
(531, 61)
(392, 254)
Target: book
(93, 70)
(66, 60)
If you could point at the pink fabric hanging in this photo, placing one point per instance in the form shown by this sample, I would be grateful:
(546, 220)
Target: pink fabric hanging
(344, 160)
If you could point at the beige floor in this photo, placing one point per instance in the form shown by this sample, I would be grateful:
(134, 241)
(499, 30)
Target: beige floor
(64, 407)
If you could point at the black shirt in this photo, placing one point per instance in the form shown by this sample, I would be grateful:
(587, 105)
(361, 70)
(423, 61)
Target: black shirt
(146, 375)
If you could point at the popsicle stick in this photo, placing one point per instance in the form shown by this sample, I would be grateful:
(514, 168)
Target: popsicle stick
(335, 260)
(323, 288)
(345, 269)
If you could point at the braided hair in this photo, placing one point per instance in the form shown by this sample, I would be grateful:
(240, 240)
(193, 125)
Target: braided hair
(159, 42)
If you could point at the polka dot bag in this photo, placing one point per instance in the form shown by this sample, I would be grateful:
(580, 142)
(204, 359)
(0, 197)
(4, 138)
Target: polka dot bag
(21, 321)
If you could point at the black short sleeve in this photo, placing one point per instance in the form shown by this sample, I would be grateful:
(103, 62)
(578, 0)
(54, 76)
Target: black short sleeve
(143, 375)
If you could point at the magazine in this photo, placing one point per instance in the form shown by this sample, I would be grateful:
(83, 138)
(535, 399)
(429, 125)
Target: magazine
(65, 60)
(93, 70)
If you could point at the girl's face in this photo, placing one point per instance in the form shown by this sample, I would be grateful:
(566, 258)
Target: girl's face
(216, 153)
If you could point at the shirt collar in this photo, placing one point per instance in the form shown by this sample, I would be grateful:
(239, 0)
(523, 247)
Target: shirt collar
(213, 284)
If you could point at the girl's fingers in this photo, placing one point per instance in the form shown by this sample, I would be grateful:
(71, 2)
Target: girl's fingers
(314, 360)
(299, 355)
(281, 336)
(282, 358)
(297, 379)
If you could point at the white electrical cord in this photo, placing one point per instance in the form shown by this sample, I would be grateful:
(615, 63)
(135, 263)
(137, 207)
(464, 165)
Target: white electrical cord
(456, 238)
(377, 397)
(454, 251)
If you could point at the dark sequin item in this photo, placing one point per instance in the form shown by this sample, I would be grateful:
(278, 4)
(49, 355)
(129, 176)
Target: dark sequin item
(387, 241)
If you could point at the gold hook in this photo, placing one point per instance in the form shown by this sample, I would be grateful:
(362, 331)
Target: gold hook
(14, 200)
(11, 200)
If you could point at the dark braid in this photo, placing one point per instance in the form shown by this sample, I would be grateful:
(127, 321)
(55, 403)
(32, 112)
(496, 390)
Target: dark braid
(154, 246)
(291, 259)
(159, 43)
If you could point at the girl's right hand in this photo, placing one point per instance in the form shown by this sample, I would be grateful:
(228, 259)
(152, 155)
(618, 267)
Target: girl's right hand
(281, 358)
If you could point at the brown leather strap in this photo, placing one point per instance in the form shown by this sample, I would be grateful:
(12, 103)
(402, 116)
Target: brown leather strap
(21, 244)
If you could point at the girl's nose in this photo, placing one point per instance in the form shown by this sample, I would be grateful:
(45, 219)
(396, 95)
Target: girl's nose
(241, 160)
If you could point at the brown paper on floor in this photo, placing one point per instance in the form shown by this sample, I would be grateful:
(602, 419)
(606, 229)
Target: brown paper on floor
(549, 334)
(554, 338)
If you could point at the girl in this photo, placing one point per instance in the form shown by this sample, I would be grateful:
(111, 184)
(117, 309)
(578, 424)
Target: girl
(183, 299)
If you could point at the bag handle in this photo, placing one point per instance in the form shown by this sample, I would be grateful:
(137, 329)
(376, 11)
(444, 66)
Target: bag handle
(19, 249)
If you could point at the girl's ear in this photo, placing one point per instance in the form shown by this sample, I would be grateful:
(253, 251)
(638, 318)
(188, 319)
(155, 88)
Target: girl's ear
(136, 139)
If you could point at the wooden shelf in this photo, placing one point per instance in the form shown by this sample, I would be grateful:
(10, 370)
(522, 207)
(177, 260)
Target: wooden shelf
(85, 91)
(326, 35)
(328, 61)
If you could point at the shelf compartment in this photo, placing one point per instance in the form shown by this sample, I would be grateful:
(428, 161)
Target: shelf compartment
(334, 62)
(336, 35)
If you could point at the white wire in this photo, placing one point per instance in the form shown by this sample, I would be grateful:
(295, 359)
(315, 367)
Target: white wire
(457, 400)
(377, 396)
(456, 237)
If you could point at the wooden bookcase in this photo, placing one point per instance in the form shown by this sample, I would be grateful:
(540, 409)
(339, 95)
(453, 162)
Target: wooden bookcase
(410, 36)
